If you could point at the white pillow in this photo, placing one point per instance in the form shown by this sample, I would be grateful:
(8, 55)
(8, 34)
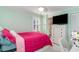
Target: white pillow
(1, 28)
(74, 34)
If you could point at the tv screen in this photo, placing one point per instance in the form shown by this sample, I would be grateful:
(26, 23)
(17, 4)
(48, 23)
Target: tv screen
(60, 19)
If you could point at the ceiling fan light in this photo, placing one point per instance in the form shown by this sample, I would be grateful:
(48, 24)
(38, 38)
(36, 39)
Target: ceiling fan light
(41, 9)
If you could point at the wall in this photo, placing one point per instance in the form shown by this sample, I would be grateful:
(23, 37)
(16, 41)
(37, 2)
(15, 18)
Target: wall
(70, 11)
(75, 22)
(16, 19)
(44, 24)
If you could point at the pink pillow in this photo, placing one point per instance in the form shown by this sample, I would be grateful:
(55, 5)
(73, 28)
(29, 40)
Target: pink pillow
(7, 34)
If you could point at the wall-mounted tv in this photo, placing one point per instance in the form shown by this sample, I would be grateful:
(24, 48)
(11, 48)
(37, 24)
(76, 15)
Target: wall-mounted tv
(60, 19)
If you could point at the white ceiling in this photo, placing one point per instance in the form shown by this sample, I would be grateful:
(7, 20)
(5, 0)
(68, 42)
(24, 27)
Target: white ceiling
(34, 9)
(49, 8)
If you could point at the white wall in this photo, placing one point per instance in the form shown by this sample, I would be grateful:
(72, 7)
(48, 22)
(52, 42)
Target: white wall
(75, 22)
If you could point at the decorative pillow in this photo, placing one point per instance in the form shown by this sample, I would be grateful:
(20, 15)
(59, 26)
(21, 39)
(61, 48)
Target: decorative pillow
(7, 34)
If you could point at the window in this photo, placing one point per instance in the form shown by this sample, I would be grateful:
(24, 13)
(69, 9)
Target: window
(36, 24)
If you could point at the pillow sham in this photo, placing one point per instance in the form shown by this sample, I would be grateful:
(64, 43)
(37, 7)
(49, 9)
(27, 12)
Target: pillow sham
(8, 35)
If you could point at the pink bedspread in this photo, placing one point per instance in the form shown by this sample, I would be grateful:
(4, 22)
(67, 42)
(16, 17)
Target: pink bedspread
(35, 40)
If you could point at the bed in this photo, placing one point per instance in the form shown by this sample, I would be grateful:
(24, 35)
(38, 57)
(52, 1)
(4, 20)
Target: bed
(28, 41)
(35, 41)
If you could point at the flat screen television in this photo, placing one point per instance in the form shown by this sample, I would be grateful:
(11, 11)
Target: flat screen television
(60, 19)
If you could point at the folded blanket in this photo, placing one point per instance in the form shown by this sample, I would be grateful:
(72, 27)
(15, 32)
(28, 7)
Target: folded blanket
(20, 44)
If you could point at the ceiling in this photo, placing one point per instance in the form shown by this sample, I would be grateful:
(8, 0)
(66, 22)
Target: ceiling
(34, 9)
(49, 8)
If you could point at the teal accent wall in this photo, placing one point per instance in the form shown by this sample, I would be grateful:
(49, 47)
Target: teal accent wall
(44, 24)
(41, 23)
(16, 19)
(70, 11)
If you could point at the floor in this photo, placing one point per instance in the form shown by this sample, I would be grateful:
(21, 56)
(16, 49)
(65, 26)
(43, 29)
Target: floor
(54, 48)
